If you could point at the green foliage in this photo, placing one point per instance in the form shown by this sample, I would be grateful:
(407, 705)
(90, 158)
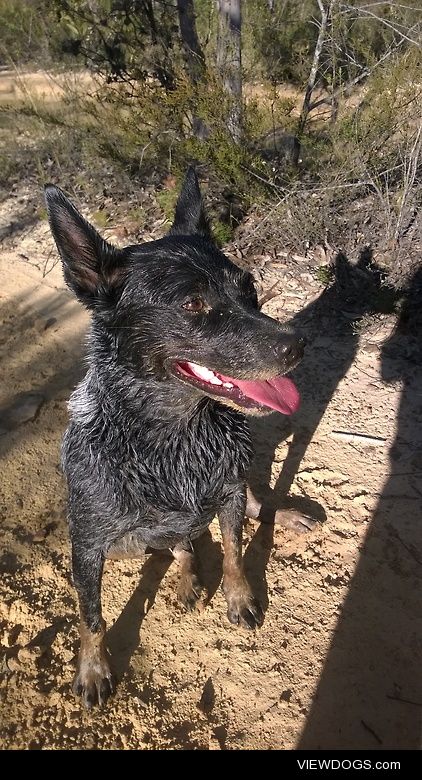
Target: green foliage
(30, 32)
(146, 127)
(280, 41)
(100, 218)
(325, 274)
(21, 31)
(167, 200)
(280, 38)
(222, 232)
(123, 40)
(137, 118)
(42, 213)
(374, 137)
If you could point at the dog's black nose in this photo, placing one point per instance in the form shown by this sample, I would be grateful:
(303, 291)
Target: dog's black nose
(291, 351)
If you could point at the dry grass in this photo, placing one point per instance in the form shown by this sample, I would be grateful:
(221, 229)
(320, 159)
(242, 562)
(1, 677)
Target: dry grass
(18, 86)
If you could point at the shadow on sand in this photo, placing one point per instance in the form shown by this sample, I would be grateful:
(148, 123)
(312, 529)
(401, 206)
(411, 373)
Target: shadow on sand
(369, 694)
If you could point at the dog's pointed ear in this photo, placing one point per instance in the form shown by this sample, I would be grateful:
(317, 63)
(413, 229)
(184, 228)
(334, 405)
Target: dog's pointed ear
(190, 218)
(92, 267)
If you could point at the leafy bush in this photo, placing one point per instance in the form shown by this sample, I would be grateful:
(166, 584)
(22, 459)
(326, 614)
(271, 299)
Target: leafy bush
(22, 31)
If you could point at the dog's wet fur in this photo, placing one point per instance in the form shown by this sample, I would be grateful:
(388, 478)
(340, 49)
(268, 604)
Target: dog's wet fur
(151, 455)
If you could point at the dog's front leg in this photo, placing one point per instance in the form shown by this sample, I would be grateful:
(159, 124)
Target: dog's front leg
(93, 680)
(243, 609)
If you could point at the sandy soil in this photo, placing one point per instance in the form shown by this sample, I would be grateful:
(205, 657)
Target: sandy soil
(337, 661)
(18, 85)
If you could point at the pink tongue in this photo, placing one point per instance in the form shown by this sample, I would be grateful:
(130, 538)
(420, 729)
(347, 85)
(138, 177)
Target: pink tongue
(279, 393)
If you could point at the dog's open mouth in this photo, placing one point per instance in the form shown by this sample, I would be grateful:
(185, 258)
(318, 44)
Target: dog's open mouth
(279, 393)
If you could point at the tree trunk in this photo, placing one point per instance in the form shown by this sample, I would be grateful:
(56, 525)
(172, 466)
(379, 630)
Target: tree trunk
(194, 56)
(325, 14)
(229, 60)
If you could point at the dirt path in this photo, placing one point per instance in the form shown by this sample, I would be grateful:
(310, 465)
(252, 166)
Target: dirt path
(337, 661)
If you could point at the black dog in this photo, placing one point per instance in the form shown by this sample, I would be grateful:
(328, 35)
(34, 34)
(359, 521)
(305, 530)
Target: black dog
(158, 443)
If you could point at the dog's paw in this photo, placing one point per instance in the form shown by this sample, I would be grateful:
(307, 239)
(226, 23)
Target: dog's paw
(190, 591)
(295, 520)
(94, 683)
(245, 611)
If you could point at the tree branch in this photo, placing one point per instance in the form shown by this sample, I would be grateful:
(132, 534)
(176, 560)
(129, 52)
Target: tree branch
(325, 14)
(360, 77)
(364, 11)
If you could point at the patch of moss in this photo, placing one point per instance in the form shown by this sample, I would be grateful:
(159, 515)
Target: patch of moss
(100, 217)
(167, 200)
(42, 213)
(222, 232)
(325, 275)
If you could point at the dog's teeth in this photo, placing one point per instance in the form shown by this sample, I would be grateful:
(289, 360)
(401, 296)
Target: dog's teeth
(214, 380)
(228, 385)
(204, 373)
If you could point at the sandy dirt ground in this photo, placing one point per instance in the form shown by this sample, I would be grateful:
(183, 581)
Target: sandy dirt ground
(337, 662)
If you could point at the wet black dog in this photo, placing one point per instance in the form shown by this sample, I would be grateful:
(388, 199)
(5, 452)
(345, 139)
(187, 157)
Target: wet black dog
(158, 442)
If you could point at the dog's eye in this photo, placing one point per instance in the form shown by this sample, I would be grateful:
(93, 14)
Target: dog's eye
(195, 305)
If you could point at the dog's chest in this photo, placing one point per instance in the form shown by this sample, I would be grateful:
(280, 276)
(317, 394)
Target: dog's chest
(190, 466)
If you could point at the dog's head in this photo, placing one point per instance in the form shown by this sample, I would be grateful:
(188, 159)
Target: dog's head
(177, 310)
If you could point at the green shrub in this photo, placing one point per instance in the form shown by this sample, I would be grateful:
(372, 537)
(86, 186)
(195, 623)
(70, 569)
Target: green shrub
(167, 200)
(222, 232)
(325, 275)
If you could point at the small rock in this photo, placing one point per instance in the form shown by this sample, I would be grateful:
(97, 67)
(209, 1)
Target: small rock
(12, 636)
(213, 743)
(30, 653)
(372, 348)
(68, 655)
(51, 321)
(9, 563)
(207, 700)
(13, 664)
(40, 535)
(24, 408)
(286, 695)
(54, 699)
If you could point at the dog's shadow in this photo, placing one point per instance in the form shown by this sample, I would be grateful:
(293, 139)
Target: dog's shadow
(331, 327)
(123, 638)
